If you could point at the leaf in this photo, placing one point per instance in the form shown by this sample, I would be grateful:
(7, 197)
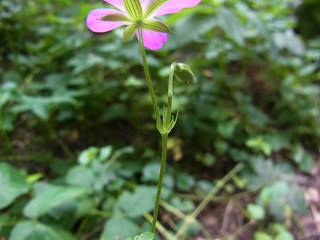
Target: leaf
(258, 143)
(183, 205)
(256, 211)
(226, 129)
(29, 230)
(262, 236)
(88, 155)
(209, 159)
(105, 153)
(50, 199)
(185, 182)
(199, 23)
(12, 184)
(230, 23)
(279, 195)
(119, 226)
(151, 171)
(135, 204)
(302, 158)
(81, 176)
(145, 236)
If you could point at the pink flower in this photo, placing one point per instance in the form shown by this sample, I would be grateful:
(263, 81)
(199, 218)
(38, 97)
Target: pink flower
(135, 14)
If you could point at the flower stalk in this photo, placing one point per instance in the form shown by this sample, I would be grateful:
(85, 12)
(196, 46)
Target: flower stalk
(164, 136)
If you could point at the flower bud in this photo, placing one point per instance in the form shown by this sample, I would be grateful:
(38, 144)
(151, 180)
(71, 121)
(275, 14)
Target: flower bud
(184, 73)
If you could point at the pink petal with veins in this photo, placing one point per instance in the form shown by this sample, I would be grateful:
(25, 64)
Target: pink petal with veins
(145, 4)
(153, 40)
(95, 24)
(174, 6)
(117, 3)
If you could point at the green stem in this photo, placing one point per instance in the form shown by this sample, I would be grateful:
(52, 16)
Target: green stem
(147, 73)
(163, 165)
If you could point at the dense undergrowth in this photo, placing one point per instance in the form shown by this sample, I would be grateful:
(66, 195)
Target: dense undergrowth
(78, 159)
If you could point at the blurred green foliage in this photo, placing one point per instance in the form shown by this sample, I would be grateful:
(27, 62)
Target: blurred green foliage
(64, 89)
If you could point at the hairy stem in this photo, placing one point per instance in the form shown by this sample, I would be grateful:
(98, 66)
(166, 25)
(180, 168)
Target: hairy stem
(163, 136)
(162, 169)
(147, 73)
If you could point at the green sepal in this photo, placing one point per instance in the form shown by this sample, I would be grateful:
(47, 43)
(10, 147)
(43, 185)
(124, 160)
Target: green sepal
(164, 127)
(153, 7)
(184, 73)
(134, 9)
(173, 122)
(128, 33)
(160, 125)
(155, 25)
(116, 17)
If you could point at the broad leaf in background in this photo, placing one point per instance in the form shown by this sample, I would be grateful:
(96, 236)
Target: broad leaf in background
(230, 23)
(29, 230)
(143, 236)
(12, 184)
(119, 226)
(139, 202)
(199, 23)
(302, 158)
(50, 199)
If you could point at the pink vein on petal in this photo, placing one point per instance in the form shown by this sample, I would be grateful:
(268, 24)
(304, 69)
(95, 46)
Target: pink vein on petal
(95, 24)
(153, 40)
(174, 6)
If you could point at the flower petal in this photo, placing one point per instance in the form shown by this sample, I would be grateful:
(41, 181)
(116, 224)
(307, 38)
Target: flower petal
(117, 4)
(153, 40)
(174, 6)
(145, 4)
(95, 24)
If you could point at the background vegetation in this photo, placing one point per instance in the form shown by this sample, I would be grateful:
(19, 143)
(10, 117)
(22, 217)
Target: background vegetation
(79, 157)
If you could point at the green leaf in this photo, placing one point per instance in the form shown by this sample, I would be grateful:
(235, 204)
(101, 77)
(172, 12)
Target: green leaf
(279, 195)
(34, 177)
(155, 25)
(256, 211)
(258, 143)
(262, 236)
(139, 202)
(88, 155)
(29, 230)
(209, 159)
(302, 158)
(12, 184)
(151, 171)
(145, 236)
(81, 176)
(128, 33)
(105, 153)
(199, 23)
(153, 7)
(134, 9)
(50, 199)
(230, 23)
(119, 226)
(226, 129)
(185, 182)
(282, 232)
(116, 17)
